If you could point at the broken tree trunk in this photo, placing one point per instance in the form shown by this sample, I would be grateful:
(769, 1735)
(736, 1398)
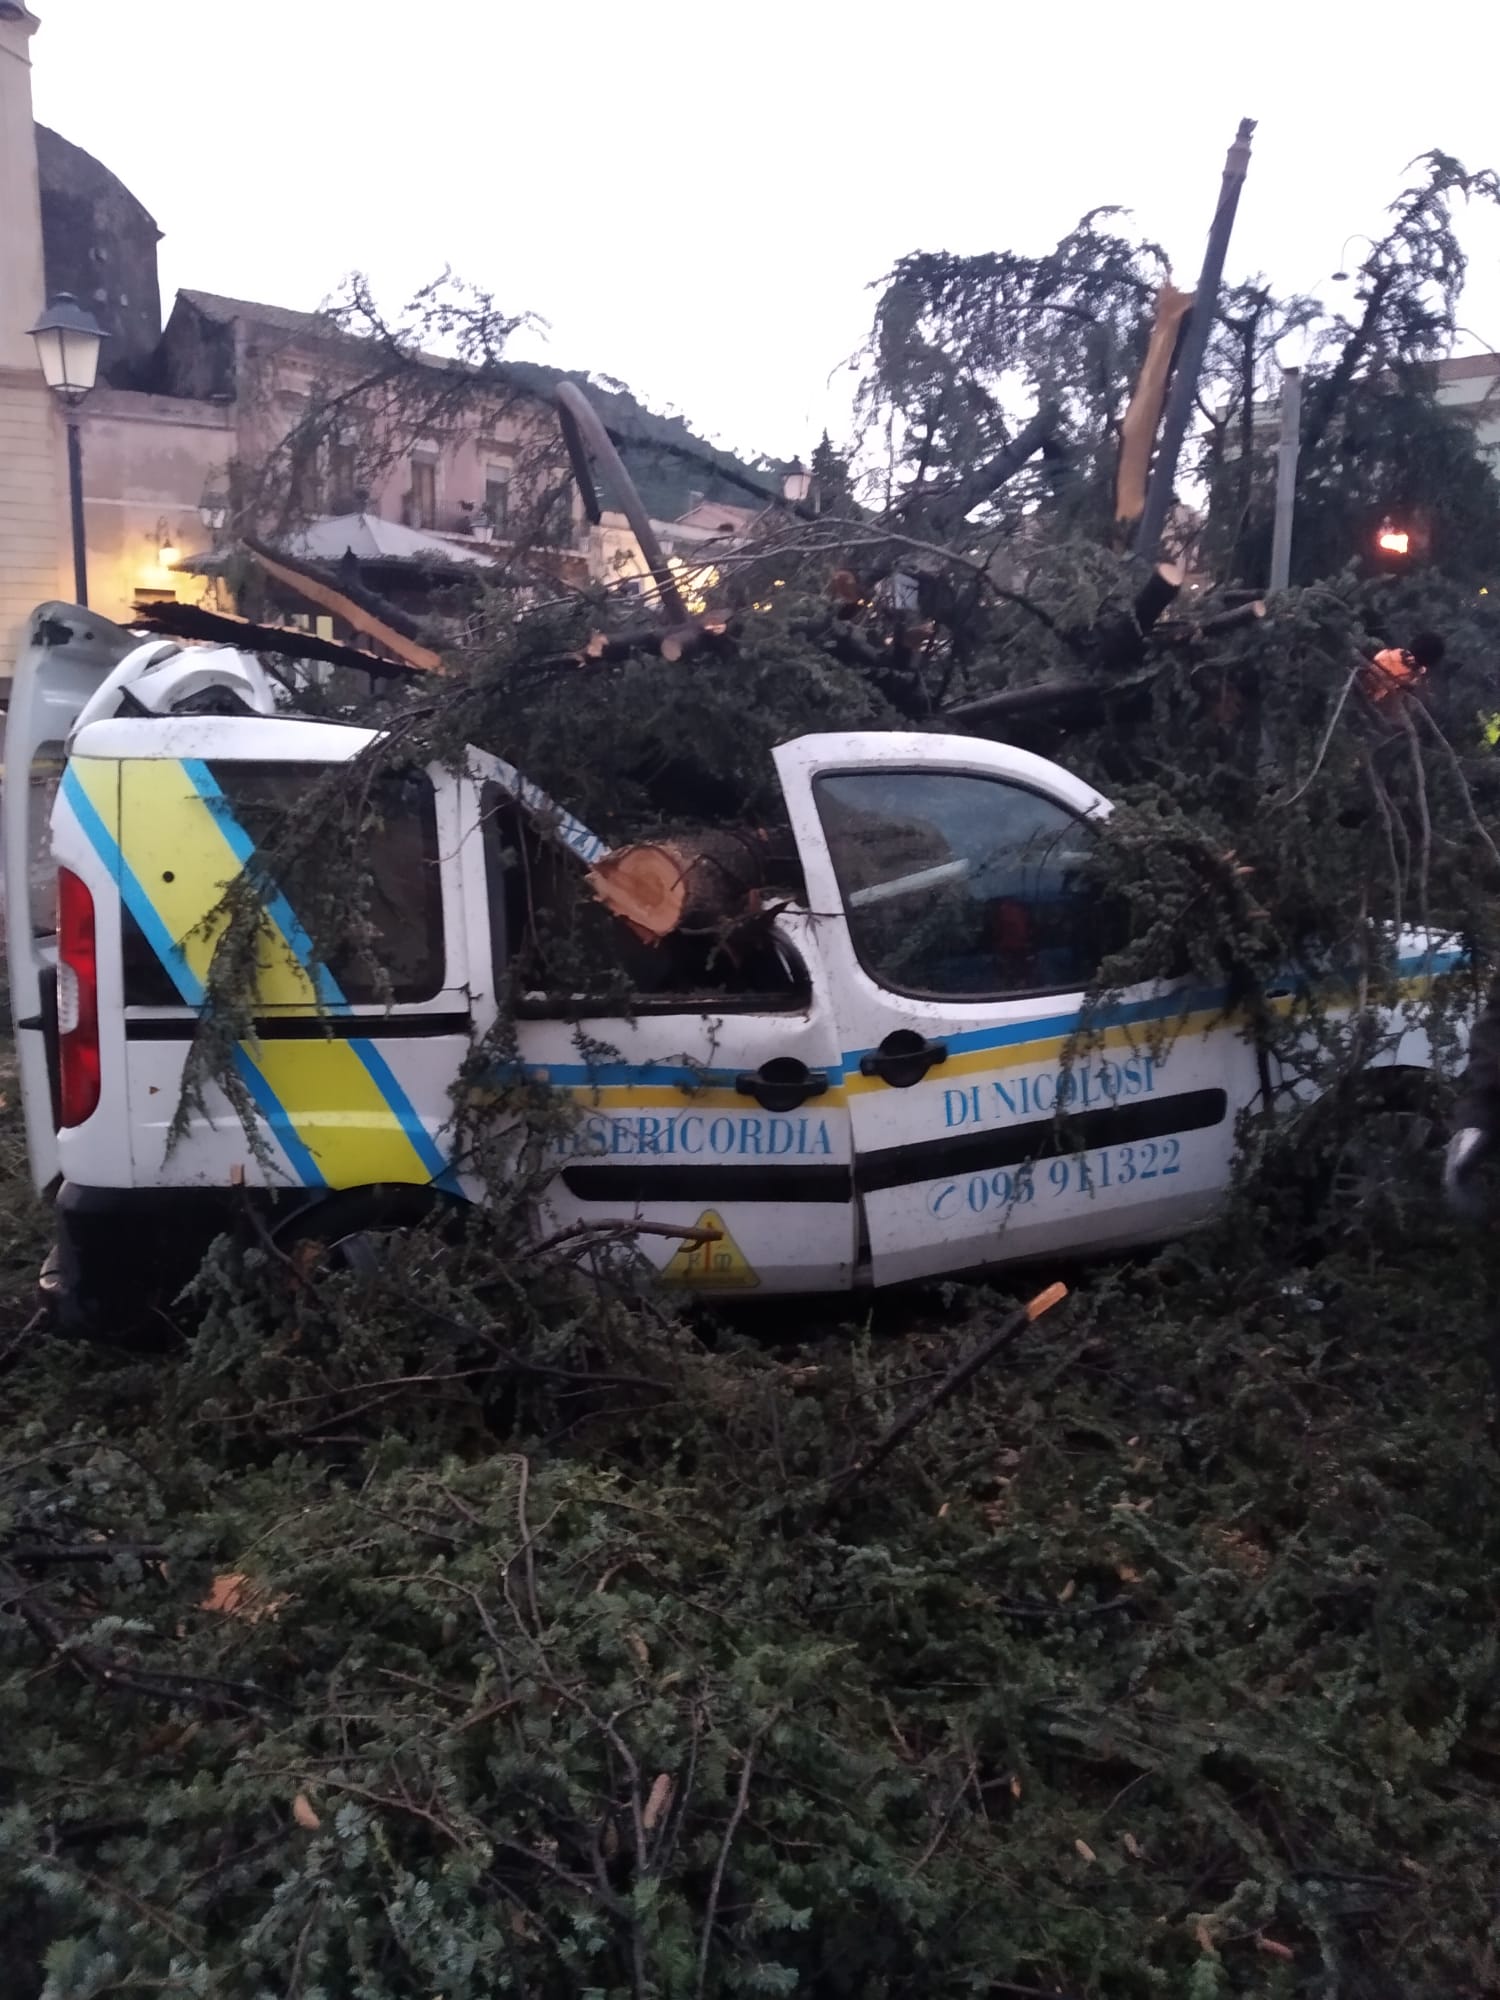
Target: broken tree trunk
(583, 434)
(1060, 701)
(1119, 643)
(678, 642)
(1138, 431)
(1157, 593)
(1195, 340)
(701, 882)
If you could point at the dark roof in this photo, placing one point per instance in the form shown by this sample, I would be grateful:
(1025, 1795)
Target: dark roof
(213, 305)
(71, 171)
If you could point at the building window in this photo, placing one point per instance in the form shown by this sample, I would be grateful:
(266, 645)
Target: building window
(422, 506)
(343, 477)
(557, 523)
(306, 486)
(497, 496)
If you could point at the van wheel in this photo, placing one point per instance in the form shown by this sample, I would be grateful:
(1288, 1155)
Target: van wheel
(344, 1232)
(1385, 1164)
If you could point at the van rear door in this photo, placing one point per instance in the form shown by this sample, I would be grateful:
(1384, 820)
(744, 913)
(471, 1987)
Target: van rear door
(355, 1048)
(68, 655)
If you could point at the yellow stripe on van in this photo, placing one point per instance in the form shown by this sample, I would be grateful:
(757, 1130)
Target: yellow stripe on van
(174, 843)
(340, 1113)
(345, 1110)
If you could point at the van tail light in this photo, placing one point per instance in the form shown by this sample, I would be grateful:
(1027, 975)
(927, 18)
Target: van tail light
(77, 1000)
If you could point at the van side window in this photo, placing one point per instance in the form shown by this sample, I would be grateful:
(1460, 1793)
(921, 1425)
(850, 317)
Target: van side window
(400, 861)
(401, 865)
(958, 886)
(563, 953)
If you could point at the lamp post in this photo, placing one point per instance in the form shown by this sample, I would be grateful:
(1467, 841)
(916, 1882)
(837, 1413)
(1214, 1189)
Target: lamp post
(796, 484)
(67, 346)
(1341, 276)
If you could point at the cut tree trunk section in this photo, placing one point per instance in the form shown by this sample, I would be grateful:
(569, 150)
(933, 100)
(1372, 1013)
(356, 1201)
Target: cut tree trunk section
(700, 882)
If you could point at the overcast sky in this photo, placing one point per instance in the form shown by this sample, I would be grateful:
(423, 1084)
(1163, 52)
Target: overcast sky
(696, 198)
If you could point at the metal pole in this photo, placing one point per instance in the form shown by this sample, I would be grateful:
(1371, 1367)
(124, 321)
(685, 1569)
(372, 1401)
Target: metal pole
(1195, 339)
(75, 498)
(582, 427)
(1286, 477)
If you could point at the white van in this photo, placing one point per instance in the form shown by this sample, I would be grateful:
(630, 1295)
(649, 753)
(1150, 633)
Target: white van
(881, 1104)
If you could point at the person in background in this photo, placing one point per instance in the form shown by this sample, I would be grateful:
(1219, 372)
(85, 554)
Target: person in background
(1402, 669)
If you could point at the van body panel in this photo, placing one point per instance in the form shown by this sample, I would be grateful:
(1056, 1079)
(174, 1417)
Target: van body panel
(927, 1090)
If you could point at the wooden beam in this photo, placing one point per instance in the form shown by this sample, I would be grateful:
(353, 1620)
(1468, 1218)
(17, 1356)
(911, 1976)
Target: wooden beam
(327, 598)
(197, 621)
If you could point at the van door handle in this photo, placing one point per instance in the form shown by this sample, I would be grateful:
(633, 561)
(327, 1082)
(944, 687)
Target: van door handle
(903, 1058)
(781, 1084)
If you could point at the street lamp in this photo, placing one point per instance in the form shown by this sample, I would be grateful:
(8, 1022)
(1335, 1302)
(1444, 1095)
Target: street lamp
(796, 484)
(213, 510)
(67, 346)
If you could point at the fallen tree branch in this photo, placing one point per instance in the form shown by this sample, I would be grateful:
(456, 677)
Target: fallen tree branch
(36, 1553)
(624, 1226)
(1156, 593)
(954, 504)
(1237, 614)
(962, 1372)
(1359, 667)
(584, 434)
(1041, 696)
(742, 1800)
(1456, 766)
(678, 642)
(111, 1671)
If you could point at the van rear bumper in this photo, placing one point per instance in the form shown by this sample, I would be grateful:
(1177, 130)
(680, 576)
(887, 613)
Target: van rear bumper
(123, 1254)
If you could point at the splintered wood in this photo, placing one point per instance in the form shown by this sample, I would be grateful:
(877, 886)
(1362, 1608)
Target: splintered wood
(1138, 429)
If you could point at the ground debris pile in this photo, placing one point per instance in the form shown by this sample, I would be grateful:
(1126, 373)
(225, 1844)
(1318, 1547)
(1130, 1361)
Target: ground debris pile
(403, 1636)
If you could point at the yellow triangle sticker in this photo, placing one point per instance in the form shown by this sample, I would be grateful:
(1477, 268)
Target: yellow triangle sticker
(721, 1263)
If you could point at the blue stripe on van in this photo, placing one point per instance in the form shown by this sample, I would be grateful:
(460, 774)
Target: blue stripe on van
(184, 978)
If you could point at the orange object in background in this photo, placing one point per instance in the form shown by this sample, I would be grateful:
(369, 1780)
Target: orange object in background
(1393, 670)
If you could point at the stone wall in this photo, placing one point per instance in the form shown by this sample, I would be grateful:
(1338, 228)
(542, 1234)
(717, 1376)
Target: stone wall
(33, 521)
